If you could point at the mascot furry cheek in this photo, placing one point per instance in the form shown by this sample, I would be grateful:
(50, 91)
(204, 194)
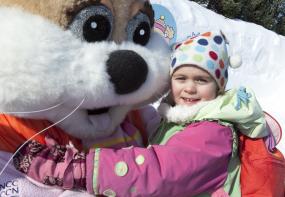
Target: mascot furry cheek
(79, 64)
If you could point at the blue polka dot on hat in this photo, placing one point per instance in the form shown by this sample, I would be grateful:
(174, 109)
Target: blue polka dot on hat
(209, 52)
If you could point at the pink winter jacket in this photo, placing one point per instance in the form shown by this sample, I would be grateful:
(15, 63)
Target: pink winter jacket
(193, 161)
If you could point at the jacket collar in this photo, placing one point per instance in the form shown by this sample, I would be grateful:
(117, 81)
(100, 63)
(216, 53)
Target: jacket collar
(180, 113)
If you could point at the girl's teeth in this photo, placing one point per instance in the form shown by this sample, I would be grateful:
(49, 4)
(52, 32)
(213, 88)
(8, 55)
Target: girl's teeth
(190, 100)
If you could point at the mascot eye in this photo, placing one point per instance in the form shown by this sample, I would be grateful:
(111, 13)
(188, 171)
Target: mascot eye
(138, 29)
(93, 24)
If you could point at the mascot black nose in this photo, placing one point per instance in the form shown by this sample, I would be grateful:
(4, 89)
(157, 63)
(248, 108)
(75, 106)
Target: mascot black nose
(127, 69)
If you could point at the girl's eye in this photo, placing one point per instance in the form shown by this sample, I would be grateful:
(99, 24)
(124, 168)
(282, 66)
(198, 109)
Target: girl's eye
(201, 81)
(180, 78)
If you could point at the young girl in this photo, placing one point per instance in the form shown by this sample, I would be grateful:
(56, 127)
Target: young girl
(194, 151)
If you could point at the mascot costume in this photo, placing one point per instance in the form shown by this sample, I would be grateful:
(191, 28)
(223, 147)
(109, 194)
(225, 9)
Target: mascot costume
(71, 72)
(79, 65)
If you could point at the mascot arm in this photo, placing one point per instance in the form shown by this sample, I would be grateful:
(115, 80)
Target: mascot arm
(189, 163)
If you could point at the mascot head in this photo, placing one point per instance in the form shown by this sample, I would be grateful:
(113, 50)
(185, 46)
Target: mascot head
(92, 55)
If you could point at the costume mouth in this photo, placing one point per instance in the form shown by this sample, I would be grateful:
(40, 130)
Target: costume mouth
(98, 111)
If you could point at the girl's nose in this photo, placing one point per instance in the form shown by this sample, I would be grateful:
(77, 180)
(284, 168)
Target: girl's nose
(190, 88)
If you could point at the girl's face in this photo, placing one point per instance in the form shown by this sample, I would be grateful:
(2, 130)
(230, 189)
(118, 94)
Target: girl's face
(190, 85)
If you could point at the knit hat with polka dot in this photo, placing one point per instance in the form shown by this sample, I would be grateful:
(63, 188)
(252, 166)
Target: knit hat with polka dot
(209, 52)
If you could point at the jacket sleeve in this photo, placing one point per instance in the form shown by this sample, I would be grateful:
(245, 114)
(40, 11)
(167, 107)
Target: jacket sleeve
(193, 161)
